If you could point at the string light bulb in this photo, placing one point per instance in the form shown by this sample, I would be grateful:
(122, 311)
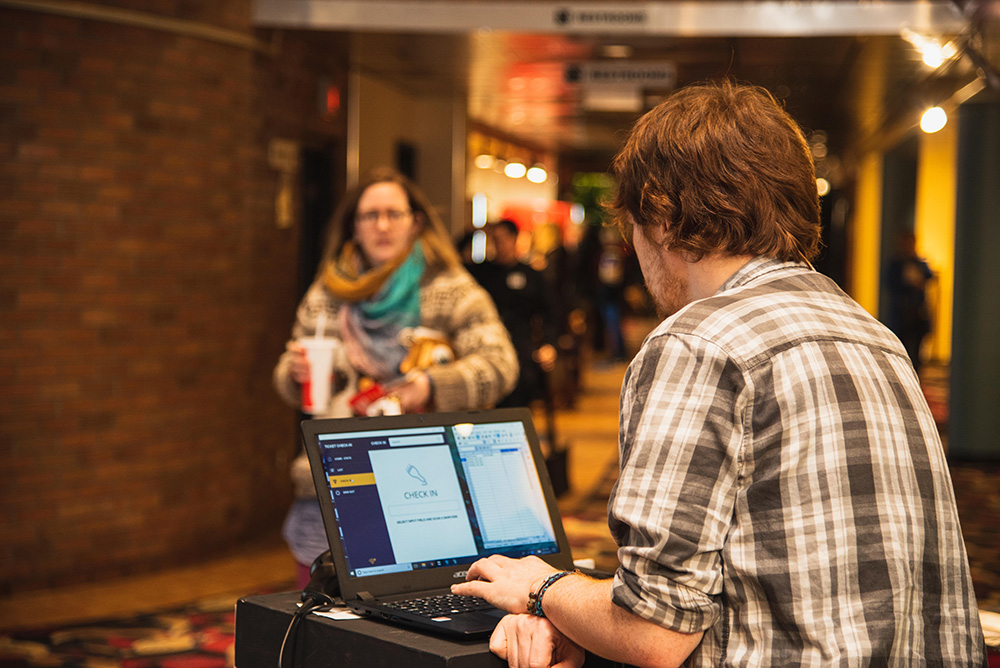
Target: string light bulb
(515, 169)
(932, 51)
(537, 173)
(933, 120)
(935, 54)
(485, 155)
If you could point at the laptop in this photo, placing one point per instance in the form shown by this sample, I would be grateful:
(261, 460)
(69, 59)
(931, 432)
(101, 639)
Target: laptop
(409, 502)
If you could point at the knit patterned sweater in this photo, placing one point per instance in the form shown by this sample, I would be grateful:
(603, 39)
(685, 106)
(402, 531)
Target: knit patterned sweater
(485, 368)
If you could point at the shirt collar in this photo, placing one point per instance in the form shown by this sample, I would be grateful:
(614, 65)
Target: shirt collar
(755, 269)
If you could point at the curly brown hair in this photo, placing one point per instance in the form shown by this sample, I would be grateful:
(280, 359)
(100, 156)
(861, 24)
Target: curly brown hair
(727, 170)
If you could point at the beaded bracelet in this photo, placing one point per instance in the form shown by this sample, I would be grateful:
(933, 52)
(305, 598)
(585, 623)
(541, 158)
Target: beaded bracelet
(535, 597)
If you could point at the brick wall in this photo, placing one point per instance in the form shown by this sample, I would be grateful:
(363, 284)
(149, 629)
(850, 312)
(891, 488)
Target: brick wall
(145, 291)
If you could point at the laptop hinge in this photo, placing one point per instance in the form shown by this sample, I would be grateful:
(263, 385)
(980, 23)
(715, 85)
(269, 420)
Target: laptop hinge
(365, 596)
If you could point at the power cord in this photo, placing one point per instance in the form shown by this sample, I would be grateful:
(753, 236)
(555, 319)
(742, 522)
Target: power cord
(318, 593)
(309, 603)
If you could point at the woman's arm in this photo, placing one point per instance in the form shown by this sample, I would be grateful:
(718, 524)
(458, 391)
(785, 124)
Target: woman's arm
(485, 369)
(292, 370)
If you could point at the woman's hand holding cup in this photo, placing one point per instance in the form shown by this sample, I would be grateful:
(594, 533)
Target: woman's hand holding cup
(298, 366)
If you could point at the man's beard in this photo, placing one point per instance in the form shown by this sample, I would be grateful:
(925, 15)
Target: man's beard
(672, 296)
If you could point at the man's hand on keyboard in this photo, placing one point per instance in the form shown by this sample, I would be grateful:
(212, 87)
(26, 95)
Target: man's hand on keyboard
(505, 582)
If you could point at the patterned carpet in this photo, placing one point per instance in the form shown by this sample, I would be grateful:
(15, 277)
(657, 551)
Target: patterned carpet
(977, 492)
(976, 486)
(199, 635)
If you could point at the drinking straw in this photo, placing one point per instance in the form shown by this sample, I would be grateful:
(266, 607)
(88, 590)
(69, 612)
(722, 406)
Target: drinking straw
(320, 324)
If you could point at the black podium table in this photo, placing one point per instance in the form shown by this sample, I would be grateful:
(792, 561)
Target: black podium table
(261, 622)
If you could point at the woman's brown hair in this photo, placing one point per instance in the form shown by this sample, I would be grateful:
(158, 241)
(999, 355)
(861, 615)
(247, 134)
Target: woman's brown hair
(726, 169)
(437, 244)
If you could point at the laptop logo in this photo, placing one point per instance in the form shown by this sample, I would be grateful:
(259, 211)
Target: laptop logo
(459, 574)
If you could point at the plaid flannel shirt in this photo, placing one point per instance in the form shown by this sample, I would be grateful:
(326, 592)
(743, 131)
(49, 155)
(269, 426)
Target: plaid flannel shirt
(783, 486)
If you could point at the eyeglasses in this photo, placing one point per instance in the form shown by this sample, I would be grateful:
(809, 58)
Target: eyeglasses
(372, 217)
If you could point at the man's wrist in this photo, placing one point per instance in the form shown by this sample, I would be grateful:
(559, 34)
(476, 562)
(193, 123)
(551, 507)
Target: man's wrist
(535, 597)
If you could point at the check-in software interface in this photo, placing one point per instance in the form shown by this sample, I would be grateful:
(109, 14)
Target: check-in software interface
(406, 499)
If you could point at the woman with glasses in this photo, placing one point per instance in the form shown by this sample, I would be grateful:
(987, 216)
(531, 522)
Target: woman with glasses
(389, 268)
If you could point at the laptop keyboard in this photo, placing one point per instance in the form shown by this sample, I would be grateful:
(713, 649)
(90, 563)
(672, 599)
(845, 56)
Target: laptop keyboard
(436, 606)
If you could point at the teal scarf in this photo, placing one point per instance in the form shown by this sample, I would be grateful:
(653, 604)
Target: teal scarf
(371, 327)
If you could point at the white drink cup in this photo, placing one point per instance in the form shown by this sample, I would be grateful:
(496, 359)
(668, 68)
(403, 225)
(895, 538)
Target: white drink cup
(319, 356)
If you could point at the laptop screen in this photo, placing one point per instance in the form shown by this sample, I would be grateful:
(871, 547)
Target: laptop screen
(408, 499)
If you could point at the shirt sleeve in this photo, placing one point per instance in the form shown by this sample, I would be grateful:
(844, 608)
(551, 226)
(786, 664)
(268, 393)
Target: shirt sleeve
(681, 434)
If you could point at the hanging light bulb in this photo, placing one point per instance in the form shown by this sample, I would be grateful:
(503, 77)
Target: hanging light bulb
(932, 51)
(515, 169)
(935, 54)
(484, 158)
(933, 120)
(484, 161)
(537, 173)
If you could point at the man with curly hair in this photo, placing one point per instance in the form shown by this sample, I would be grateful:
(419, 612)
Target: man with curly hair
(784, 498)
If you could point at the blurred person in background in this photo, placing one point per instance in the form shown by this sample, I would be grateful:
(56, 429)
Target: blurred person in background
(907, 278)
(601, 274)
(389, 268)
(553, 254)
(522, 299)
(610, 294)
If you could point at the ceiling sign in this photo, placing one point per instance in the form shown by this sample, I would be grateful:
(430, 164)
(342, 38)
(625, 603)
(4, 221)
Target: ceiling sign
(632, 73)
(619, 86)
(614, 17)
(678, 17)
